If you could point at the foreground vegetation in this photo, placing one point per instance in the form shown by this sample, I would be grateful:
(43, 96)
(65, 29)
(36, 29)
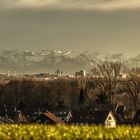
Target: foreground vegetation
(62, 132)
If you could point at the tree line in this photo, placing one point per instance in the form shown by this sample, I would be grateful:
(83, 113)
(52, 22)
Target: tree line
(107, 87)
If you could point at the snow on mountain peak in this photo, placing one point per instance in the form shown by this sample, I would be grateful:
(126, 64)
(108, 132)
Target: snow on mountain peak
(50, 60)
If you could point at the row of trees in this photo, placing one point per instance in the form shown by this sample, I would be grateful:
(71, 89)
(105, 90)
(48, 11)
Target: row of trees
(55, 93)
(74, 93)
(110, 79)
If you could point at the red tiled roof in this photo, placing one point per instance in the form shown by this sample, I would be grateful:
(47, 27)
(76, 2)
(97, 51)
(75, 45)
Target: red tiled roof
(52, 117)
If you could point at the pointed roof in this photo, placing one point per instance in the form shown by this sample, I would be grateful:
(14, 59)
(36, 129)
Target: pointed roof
(5, 121)
(88, 116)
(120, 109)
(137, 116)
(52, 117)
(80, 116)
(47, 117)
(100, 116)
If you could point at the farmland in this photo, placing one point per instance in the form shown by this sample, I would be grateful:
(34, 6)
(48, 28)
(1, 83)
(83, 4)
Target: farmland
(64, 132)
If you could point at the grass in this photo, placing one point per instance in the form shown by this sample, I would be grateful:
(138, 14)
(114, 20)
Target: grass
(64, 132)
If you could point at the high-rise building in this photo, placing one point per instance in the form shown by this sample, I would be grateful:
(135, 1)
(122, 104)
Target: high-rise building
(81, 73)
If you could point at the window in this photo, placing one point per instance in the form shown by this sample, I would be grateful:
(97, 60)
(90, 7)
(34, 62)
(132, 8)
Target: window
(109, 118)
(109, 124)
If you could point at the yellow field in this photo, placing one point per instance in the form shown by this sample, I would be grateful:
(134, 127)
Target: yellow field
(63, 132)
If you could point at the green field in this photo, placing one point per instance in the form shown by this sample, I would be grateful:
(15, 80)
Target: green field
(43, 132)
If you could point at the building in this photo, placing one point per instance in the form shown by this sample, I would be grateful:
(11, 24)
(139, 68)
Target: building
(6, 121)
(80, 117)
(81, 73)
(21, 118)
(47, 118)
(105, 118)
(63, 116)
(122, 113)
(136, 118)
(59, 73)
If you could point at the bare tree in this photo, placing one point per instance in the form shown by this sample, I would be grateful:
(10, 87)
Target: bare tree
(109, 77)
(134, 71)
(101, 96)
(133, 89)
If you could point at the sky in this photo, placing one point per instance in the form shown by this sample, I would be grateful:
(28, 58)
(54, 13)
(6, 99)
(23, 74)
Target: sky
(78, 25)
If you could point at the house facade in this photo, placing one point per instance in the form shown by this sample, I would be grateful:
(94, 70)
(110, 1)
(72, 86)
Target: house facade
(110, 120)
(105, 118)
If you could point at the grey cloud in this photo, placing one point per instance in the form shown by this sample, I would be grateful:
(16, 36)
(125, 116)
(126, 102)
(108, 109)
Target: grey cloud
(72, 4)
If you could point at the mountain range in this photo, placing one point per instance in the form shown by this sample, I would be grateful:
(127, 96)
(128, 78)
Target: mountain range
(49, 60)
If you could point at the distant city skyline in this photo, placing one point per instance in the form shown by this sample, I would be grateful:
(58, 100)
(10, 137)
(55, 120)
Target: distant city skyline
(108, 26)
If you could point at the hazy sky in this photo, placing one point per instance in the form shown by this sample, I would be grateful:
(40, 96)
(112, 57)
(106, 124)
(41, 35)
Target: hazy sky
(103, 25)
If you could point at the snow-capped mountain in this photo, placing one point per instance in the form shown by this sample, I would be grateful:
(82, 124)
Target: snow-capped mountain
(50, 60)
